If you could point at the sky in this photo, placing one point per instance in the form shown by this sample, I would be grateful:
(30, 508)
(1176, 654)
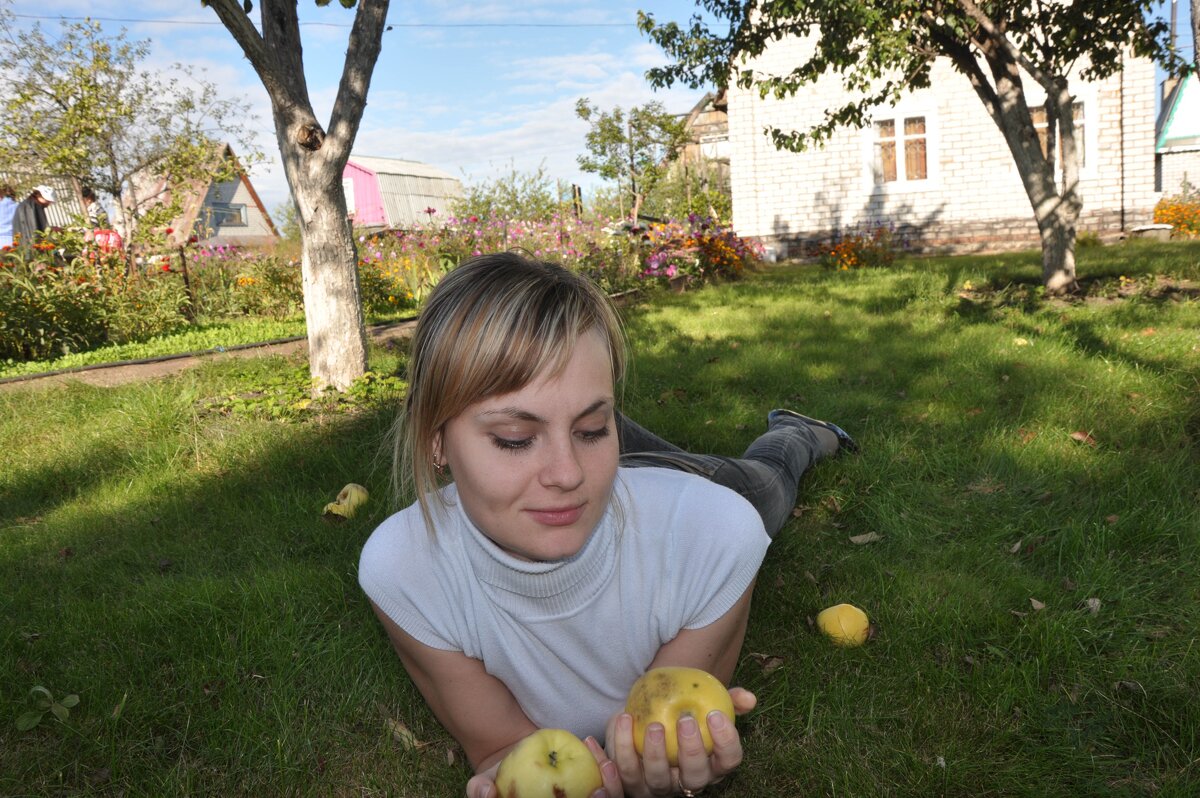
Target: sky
(478, 89)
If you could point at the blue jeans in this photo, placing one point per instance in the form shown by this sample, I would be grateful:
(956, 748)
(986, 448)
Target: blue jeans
(767, 474)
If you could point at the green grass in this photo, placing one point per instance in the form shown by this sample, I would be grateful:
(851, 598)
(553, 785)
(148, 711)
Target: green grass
(166, 559)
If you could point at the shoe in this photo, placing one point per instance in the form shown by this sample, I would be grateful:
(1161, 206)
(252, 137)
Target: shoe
(845, 442)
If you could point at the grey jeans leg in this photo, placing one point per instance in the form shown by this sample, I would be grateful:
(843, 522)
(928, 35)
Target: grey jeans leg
(767, 474)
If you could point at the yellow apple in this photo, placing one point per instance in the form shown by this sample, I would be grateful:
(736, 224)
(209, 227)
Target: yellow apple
(349, 499)
(845, 625)
(550, 763)
(664, 695)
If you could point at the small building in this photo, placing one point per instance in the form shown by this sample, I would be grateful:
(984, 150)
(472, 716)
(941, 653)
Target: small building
(707, 149)
(1177, 147)
(218, 213)
(395, 193)
(933, 165)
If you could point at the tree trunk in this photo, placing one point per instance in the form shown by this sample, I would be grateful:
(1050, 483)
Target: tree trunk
(1058, 251)
(313, 162)
(337, 341)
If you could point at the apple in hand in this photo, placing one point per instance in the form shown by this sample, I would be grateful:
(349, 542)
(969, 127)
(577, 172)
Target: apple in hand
(664, 695)
(550, 763)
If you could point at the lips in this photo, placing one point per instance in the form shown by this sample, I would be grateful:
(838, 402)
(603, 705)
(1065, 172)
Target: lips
(560, 516)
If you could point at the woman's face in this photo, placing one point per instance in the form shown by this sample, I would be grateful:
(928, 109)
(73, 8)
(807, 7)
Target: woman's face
(535, 467)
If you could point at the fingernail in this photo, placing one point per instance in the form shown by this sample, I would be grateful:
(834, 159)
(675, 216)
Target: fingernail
(600, 793)
(656, 732)
(625, 723)
(688, 727)
(717, 720)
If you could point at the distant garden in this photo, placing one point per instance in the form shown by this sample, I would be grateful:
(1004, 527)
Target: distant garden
(63, 295)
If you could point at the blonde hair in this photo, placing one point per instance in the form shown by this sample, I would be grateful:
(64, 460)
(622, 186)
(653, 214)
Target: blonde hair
(490, 327)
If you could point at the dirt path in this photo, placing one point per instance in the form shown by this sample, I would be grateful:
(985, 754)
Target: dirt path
(108, 376)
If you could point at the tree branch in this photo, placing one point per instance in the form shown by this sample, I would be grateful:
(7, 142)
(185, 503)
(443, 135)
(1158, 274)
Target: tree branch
(1000, 38)
(362, 51)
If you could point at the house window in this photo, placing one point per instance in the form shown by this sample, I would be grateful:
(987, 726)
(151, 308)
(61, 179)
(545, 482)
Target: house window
(901, 154)
(228, 214)
(1038, 112)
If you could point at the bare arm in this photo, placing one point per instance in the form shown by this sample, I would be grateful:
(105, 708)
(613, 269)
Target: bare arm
(475, 707)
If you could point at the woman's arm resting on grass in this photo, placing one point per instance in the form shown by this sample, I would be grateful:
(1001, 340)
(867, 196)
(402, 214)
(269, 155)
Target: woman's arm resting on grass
(475, 707)
(714, 648)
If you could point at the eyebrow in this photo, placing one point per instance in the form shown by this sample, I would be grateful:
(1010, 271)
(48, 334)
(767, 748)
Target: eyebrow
(518, 414)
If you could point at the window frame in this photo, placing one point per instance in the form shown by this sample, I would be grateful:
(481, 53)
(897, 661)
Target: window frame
(221, 213)
(871, 165)
(1089, 96)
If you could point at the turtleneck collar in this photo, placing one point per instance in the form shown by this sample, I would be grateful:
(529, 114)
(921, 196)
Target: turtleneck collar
(539, 590)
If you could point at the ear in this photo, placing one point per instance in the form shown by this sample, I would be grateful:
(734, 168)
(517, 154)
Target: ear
(436, 448)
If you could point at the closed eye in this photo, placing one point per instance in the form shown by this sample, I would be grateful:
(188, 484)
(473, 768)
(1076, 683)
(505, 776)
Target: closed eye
(511, 444)
(594, 435)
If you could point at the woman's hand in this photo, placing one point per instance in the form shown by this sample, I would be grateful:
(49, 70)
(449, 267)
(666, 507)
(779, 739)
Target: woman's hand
(483, 784)
(652, 775)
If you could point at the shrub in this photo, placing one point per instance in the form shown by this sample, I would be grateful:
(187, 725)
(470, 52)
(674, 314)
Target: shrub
(1181, 211)
(700, 250)
(47, 307)
(864, 248)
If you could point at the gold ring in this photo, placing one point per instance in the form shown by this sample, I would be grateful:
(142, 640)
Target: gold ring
(687, 792)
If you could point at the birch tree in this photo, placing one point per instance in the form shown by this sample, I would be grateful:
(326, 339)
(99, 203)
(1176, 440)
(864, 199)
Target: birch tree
(881, 48)
(313, 159)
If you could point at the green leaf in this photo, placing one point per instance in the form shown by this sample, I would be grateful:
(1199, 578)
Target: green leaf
(248, 6)
(60, 711)
(29, 719)
(70, 701)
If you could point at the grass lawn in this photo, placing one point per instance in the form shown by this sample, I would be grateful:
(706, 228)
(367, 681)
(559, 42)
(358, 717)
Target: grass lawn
(1030, 475)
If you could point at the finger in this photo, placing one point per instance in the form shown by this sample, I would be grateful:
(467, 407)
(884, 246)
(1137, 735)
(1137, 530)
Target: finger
(743, 700)
(609, 773)
(481, 787)
(694, 768)
(620, 746)
(727, 745)
(656, 770)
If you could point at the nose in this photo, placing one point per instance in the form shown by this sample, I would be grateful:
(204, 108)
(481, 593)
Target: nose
(562, 468)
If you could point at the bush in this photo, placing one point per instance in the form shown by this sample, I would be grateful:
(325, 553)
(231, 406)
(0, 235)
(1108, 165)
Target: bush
(866, 248)
(1181, 211)
(700, 250)
(47, 308)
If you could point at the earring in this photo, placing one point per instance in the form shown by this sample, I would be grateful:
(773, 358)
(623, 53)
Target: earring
(440, 468)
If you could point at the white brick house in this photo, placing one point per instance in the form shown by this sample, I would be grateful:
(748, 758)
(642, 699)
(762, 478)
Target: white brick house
(935, 165)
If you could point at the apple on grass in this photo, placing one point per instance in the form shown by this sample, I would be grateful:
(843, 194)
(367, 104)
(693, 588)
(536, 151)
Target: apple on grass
(664, 695)
(550, 763)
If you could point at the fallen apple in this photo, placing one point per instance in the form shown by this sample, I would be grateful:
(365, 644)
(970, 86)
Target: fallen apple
(349, 499)
(664, 695)
(550, 763)
(845, 624)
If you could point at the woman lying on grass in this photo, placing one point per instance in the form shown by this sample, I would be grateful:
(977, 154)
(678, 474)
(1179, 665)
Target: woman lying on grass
(557, 550)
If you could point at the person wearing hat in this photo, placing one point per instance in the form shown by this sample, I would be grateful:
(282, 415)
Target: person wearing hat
(30, 217)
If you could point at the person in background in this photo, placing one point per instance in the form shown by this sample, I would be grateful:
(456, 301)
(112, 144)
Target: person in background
(96, 215)
(29, 219)
(8, 206)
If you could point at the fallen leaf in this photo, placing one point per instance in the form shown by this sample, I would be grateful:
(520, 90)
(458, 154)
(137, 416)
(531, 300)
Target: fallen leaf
(450, 757)
(799, 510)
(868, 537)
(402, 734)
(1021, 341)
(740, 427)
(831, 504)
(1083, 437)
(1112, 519)
(768, 662)
(1133, 395)
(1037, 605)
(974, 411)
(1018, 613)
(1026, 435)
(1068, 584)
(1093, 606)
(985, 485)
(809, 576)
(1015, 548)
(1044, 497)
(1149, 331)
